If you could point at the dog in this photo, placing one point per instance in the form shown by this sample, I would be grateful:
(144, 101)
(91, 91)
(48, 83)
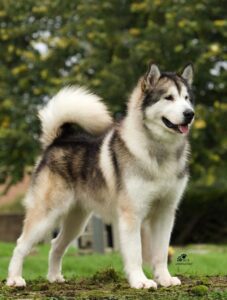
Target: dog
(133, 172)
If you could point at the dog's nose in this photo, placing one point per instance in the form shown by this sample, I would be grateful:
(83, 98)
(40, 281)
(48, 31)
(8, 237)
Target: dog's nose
(188, 115)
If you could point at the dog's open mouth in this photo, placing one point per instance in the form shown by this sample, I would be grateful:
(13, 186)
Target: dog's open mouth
(181, 128)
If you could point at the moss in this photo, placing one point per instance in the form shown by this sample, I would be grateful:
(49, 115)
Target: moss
(199, 290)
(105, 276)
(203, 280)
(112, 287)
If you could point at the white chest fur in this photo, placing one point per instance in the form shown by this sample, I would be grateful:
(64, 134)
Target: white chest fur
(159, 183)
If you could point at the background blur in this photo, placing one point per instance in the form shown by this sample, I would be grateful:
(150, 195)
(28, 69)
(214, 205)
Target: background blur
(106, 46)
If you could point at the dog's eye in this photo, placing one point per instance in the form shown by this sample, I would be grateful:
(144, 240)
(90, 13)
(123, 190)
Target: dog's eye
(186, 97)
(170, 98)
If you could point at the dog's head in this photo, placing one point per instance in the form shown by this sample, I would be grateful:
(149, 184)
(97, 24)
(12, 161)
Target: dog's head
(167, 101)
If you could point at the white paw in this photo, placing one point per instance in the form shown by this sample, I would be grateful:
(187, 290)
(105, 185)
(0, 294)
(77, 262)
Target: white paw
(143, 284)
(168, 281)
(56, 278)
(16, 281)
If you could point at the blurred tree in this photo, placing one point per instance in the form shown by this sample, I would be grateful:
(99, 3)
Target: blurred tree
(106, 45)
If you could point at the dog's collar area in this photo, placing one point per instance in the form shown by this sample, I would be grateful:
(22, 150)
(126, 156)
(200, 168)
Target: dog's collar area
(181, 128)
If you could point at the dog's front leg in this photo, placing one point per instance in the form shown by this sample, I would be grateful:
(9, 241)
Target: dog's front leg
(161, 227)
(130, 241)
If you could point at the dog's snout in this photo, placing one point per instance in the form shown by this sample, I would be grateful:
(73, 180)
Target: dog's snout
(188, 115)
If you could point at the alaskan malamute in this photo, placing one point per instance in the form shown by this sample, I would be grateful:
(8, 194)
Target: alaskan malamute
(132, 172)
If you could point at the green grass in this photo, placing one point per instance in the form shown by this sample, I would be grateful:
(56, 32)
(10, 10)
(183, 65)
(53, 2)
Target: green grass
(203, 260)
(81, 274)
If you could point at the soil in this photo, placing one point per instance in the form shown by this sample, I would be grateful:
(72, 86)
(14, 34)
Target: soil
(109, 285)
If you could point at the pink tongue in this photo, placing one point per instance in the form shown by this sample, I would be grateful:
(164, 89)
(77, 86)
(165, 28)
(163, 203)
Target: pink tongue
(183, 128)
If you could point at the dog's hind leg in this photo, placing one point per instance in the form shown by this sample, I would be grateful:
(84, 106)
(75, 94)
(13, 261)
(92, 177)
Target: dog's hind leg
(36, 225)
(46, 201)
(73, 225)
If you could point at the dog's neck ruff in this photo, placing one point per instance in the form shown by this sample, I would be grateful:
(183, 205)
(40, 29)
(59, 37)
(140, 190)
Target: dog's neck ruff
(140, 139)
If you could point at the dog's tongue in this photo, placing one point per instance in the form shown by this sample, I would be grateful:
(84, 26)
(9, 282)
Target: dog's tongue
(183, 128)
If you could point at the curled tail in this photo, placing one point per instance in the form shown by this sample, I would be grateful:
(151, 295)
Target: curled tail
(73, 105)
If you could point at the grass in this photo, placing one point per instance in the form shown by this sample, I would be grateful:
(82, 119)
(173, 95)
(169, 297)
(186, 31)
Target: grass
(203, 273)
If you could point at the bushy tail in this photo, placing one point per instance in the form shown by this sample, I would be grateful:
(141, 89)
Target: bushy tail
(73, 105)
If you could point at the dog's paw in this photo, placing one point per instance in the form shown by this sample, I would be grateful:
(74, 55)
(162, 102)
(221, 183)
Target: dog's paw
(56, 278)
(168, 281)
(16, 281)
(142, 283)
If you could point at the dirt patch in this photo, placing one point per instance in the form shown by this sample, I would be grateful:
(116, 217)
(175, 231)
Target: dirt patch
(109, 285)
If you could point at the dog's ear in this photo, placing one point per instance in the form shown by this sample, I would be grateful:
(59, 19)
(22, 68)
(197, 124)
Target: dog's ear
(152, 76)
(188, 73)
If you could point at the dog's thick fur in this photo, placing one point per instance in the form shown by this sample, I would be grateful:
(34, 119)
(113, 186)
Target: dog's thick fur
(133, 172)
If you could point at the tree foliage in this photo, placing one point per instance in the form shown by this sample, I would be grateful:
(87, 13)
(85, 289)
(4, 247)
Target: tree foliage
(106, 45)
